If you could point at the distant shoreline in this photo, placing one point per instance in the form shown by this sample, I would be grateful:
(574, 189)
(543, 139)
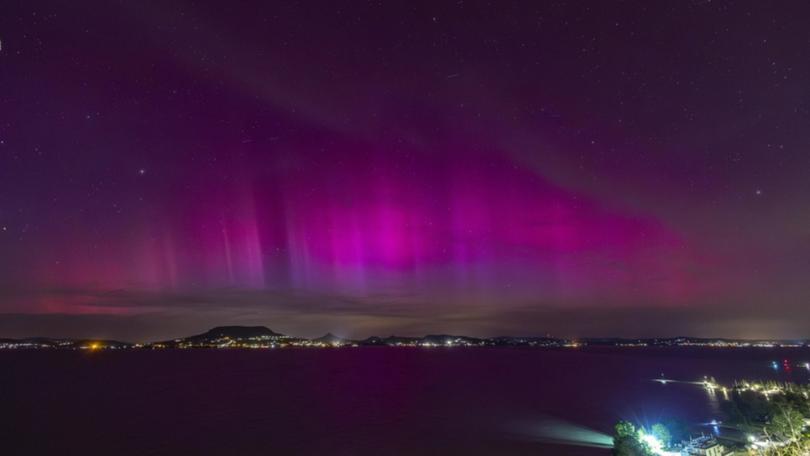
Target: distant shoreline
(261, 337)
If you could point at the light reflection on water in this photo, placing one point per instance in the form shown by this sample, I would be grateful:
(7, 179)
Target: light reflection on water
(557, 431)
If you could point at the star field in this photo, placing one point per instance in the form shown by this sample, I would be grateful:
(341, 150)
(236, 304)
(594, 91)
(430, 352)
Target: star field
(610, 168)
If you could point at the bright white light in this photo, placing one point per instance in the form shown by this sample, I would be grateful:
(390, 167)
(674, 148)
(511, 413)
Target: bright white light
(655, 445)
(653, 442)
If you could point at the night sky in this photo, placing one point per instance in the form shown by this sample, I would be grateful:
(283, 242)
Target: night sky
(488, 168)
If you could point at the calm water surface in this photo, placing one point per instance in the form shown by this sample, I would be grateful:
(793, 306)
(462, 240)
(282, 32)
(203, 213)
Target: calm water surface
(355, 401)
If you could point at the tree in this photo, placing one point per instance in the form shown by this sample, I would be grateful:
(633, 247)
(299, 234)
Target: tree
(795, 400)
(678, 429)
(786, 423)
(792, 449)
(625, 429)
(627, 441)
(662, 434)
(630, 447)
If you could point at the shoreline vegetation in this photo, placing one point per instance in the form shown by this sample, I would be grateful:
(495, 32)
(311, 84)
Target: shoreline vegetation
(760, 418)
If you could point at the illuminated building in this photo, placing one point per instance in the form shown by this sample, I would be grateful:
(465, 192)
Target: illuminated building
(704, 446)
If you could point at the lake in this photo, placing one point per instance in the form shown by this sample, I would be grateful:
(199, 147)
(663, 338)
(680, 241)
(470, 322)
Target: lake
(357, 401)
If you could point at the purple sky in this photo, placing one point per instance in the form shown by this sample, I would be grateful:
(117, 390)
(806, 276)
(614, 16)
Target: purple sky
(578, 169)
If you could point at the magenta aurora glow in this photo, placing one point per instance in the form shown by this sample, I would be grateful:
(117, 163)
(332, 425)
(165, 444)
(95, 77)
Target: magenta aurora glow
(378, 169)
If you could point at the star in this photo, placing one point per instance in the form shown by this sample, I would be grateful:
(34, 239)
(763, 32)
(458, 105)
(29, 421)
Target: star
(142, 171)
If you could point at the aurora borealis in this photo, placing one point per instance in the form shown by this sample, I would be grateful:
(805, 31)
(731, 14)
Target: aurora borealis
(580, 169)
